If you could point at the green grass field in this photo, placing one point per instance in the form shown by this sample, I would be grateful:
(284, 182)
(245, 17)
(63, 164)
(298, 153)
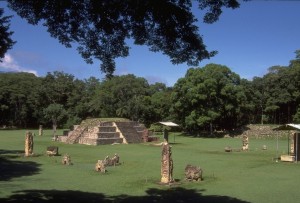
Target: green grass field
(251, 176)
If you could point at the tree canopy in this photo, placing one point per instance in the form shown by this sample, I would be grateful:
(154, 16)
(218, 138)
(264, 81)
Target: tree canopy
(6, 42)
(212, 97)
(206, 96)
(100, 29)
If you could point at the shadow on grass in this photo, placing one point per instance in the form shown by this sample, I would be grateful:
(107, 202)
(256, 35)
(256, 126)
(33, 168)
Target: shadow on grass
(10, 168)
(177, 194)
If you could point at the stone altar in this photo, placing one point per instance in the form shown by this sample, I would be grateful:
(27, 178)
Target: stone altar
(193, 173)
(66, 160)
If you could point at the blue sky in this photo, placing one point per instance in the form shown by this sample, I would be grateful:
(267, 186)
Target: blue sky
(258, 35)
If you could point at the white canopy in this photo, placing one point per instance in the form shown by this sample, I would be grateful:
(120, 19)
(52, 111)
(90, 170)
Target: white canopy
(288, 127)
(171, 124)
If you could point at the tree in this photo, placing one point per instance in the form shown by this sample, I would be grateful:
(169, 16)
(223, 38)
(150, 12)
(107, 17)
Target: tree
(6, 42)
(55, 113)
(57, 87)
(282, 92)
(101, 28)
(19, 99)
(160, 102)
(79, 100)
(208, 96)
(121, 96)
(296, 117)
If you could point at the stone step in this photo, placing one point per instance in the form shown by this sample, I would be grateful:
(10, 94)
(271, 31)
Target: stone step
(101, 141)
(108, 135)
(106, 124)
(107, 129)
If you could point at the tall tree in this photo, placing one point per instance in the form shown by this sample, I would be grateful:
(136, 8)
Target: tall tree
(208, 96)
(101, 28)
(55, 113)
(160, 102)
(79, 100)
(6, 42)
(120, 96)
(18, 99)
(57, 87)
(282, 91)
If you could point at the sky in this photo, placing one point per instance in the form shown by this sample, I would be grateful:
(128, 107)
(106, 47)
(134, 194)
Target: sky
(249, 40)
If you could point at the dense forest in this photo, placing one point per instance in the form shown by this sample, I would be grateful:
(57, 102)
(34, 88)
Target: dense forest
(211, 96)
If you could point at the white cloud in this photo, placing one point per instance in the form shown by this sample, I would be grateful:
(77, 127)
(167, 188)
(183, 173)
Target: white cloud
(10, 64)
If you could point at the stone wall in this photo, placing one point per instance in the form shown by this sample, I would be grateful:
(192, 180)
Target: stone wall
(258, 131)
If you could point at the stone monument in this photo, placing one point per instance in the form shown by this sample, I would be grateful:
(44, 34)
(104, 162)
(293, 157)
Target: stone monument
(292, 144)
(52, 151)
(41, 130)
(100, 166)
(66, 160)
(193, 173)
(28, 144)
(166, 164)
(245, 141)
(112, 161)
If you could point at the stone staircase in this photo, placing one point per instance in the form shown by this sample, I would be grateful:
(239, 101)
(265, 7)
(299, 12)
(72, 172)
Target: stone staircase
(131, 131)
(74, 136)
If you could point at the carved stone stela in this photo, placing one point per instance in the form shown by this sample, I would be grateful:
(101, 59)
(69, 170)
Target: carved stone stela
(28, 144)
(245, 141)
(40, 130)
(166, 164)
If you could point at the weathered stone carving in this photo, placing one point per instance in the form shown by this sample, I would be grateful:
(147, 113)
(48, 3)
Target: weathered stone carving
(245, 141)
(28, 144)
(55, 138)
(264, 147)
(193, 173)
(52, 151)
(228, 149)
(41, 130)
(115, 159)
(292, 144)
(100, 166)
(112, 161)
(66, 160)
(166, 164)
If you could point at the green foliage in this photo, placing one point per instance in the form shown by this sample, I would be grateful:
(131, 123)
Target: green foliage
(18, 98)
(282, 94)
(56, 113)
(122, 96)
(212, 96)
(101, 28)
(6, 42)
(207, 95)
(296, 117)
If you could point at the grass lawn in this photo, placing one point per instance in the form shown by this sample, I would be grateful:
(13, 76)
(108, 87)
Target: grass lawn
(251, 176)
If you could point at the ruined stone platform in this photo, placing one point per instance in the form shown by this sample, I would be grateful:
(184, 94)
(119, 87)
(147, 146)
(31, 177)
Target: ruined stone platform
(104, 131)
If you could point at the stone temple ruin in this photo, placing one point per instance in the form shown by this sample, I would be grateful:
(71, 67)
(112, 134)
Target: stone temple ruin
(99, 132)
